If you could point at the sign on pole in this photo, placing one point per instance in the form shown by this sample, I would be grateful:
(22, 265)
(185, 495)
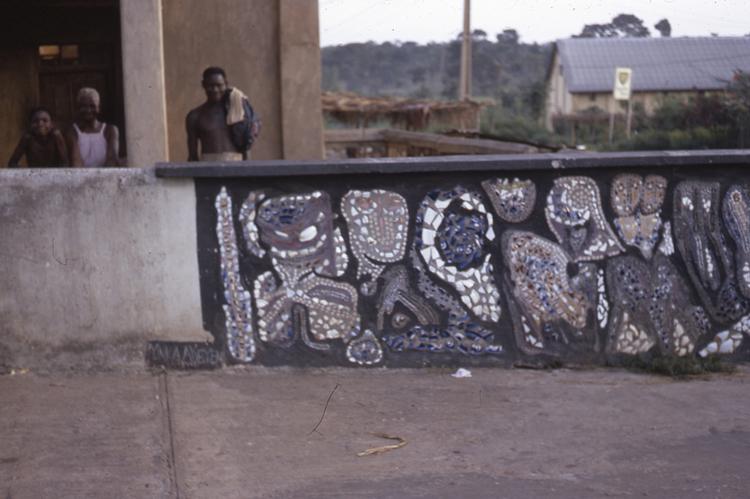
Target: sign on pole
(623, 80)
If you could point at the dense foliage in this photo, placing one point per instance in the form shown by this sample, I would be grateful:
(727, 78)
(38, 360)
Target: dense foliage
(512, 73)
(504, 69)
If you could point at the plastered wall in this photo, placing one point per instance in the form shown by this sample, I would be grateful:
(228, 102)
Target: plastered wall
(94, 264)
(241, 36)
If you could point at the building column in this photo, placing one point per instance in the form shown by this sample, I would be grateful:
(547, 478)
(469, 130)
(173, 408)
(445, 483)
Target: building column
(301, 109)
(143, 81)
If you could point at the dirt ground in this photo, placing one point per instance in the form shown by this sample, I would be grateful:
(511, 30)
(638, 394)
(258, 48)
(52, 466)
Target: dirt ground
(296, 433)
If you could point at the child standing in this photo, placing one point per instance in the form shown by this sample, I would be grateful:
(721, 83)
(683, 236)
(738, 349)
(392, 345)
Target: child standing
(43, 144)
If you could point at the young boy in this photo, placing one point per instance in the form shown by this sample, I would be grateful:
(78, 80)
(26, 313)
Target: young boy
(43, 144)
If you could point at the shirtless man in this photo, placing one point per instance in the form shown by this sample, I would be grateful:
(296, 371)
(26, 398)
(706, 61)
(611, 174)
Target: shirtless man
(207, 123)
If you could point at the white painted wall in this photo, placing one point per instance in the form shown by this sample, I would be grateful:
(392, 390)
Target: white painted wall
(95, 258)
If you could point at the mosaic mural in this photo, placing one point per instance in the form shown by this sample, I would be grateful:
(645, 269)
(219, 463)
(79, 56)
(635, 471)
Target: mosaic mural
(478, 271)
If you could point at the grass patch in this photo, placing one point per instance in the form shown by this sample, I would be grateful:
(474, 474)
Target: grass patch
(675, 367)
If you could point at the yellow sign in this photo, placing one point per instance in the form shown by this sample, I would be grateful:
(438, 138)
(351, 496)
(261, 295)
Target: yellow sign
(623, 80)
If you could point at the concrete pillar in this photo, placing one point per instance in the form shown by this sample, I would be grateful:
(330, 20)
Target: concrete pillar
(301, 110)
(143, 81)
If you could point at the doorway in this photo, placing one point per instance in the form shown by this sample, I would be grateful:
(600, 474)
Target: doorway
(63, 45)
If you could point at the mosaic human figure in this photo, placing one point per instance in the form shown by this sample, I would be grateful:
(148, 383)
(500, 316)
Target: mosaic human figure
(512, 200)
(735, 212)
(704, 250)
(301, 299)
(637, 203)
(551, 309)
(651, 308)
(651, 301)
(452, 231)
(456, 333)
(400, 306)
(736, 215)
(377, 224)
(574, 214)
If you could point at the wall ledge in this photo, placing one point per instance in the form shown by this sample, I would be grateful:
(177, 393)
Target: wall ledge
(509, 162)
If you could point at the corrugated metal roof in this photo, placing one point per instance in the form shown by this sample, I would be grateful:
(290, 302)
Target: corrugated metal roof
(658, 64)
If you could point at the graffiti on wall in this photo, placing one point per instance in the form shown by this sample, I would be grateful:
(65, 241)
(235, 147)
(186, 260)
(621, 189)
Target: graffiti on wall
(368, 274)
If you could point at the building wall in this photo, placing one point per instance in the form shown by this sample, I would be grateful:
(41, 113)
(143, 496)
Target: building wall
(557, 94)
(19, 93)
(23, 29)
(269, 48)
(559, 101)
(606, 102)
(301, 74)
(242, 36)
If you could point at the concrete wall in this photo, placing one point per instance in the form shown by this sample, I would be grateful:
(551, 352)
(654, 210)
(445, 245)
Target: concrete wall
(94, 263)
(242, 36)
(484, 261)
(477, 261)
(143, 65)
(301, 107)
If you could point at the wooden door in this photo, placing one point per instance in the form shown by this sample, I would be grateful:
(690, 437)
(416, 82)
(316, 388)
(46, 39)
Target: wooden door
(58, 90)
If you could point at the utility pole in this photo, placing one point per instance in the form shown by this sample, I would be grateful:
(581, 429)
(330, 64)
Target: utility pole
(464, 87)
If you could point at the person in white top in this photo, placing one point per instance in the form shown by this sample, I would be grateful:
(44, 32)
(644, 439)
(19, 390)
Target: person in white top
(92, 143)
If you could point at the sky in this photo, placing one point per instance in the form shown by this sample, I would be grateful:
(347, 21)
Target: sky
(423, 21)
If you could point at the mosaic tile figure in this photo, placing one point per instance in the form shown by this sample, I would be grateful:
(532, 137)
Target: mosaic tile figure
(452, 228)
(736, 214)
(238, 307)
(247, 220)
(549, 307)
(331, 308)
(574, 214)
(651, 307)
(403, 305)
(365, 350)
(602, 305)
(666, 247)
(298, 230)
(637, 203)
(705, 252)
(513, 200)
(653, 193)
(728, 341)
(377, 222)
(300, 300)
(459, 334)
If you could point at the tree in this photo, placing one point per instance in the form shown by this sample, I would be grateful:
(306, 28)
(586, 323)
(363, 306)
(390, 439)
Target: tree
(738, 104)
(621, 26)
(664, 28)
(478, 34)
(509, 36)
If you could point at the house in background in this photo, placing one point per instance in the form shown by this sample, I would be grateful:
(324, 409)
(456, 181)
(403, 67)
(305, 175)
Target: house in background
(582, 71)
(146, 57)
